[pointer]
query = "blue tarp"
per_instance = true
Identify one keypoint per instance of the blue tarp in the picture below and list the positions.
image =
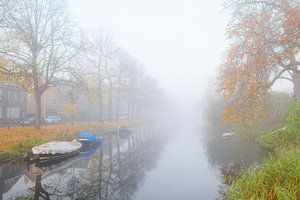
(90, 136)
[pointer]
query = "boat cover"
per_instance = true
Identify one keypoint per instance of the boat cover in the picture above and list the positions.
(57, 147)
(90, 136)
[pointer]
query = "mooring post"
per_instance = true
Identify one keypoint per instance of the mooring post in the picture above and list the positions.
(38, 186)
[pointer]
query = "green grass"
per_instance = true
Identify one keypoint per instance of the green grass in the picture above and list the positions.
(276, 179)
(281, 140)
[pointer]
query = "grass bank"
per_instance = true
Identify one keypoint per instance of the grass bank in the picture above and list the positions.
(15, 141)
(278, 177)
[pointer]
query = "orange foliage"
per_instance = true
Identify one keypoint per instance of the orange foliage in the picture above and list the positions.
(264, 39)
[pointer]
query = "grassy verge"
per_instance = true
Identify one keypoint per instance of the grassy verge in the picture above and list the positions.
(279, 176)
(15, 141)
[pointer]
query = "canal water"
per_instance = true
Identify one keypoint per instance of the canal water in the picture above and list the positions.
(161, 161)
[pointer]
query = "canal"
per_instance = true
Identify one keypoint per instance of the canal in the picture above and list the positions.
(168, 160)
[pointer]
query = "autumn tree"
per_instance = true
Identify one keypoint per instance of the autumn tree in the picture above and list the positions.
(37, 36)
(265, 43)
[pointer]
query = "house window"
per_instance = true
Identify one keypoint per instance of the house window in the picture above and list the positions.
(13, 113)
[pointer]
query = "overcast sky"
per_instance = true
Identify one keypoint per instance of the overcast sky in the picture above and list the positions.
(179, 41)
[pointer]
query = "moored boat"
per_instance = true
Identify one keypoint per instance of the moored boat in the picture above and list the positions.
(55, 151)
(89, 140)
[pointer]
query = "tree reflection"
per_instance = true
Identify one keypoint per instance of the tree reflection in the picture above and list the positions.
(221, 152)
(115, 172)
(230, 156)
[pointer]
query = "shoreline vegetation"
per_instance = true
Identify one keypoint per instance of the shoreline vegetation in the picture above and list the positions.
(278, 177)
(15, 141)
(275, 175)
(263, 50)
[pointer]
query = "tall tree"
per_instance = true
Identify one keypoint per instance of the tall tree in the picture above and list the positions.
(38, 37)
(110, 69)
(265, 43)
(99, 52)
(125, 61)
(136, 74)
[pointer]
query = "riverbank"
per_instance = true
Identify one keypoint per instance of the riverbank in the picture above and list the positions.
(278, 177)
(15, 141)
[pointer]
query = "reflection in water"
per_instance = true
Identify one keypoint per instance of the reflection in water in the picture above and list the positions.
(117, 168)
(230, 155)
(10, 173)
(222, 152)
(115, 171)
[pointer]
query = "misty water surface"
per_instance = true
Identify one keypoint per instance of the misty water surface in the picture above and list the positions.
(163, 161)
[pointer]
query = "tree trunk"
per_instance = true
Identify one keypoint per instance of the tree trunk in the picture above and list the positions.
(128, 110)
(110, 101)
(296, 80)
(100, 178)
(118, 103)
(100, 107)
(100, 100)
(137, 110)
(133, 106)
(38, 108)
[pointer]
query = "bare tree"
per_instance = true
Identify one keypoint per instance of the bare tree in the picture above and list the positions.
(110, 71)
(38, 38)
(125, 61)
(5, 6)
(98, 54)
(136, 75)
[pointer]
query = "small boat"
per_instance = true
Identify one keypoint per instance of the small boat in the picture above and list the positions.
(227, 135)
(89, 140)
(124, 132)
(55, 151)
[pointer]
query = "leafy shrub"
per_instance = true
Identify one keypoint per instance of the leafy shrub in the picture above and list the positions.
(293, 120)
(281, 139)
(288, 137)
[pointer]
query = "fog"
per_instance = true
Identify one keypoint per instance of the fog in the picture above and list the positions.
(143, 100)
(180, 42)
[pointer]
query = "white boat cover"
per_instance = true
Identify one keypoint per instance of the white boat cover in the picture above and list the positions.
(57, 147)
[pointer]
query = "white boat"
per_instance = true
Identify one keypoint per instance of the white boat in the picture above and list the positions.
(54, 151)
